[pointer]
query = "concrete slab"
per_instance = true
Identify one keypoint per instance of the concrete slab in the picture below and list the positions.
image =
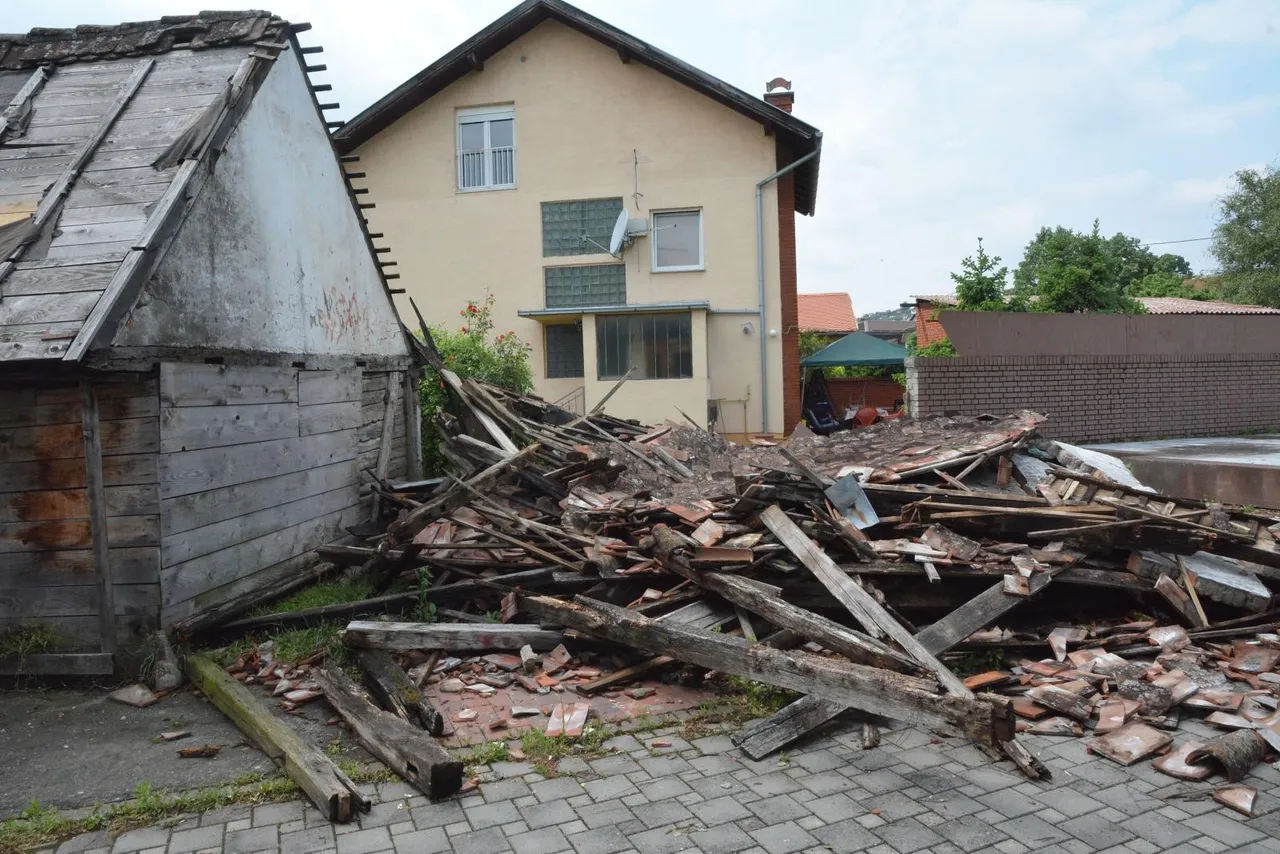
(1237, 470)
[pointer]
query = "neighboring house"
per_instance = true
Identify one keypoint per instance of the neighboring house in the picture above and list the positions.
(888, 330)
(503, 167)
(197, 348)
(827, 314)
(929, 328)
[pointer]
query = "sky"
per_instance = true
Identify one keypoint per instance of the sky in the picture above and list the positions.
(943, 120)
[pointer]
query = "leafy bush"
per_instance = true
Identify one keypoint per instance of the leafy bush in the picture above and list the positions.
(470, 353)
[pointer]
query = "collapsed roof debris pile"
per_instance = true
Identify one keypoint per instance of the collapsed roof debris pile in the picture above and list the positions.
(868, 570)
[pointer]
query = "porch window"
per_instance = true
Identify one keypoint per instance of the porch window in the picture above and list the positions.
(487, 148)
(658, 346)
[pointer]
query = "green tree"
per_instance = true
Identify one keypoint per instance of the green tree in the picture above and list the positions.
(1083, 274)
(1069, 270)
(1175, 264)
(980, 284)
(471, 353)
(1246, 240)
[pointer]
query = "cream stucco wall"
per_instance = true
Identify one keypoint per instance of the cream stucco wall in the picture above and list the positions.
(582, 117)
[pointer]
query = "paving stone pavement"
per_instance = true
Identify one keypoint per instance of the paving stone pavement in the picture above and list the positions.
(914, 794)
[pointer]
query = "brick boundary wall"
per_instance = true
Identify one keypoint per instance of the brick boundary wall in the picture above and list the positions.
(1107, 398)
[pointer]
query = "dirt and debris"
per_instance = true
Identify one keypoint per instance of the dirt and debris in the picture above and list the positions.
(587, 569)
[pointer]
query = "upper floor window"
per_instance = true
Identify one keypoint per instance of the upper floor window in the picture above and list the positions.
(486, 148)
(677, 241)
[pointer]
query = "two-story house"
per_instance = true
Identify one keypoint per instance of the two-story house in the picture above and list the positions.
(505, 166)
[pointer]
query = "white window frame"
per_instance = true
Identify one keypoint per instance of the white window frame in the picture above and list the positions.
(487, 115)
(653, 230)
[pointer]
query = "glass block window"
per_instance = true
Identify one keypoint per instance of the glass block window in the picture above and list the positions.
(658, 346)
(564, 350)
(587, 286)
(565, 224)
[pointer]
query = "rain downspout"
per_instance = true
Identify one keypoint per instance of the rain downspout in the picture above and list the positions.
(764, 358)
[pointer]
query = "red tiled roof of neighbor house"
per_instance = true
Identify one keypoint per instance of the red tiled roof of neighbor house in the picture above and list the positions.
(830, 312)
(1178, 305)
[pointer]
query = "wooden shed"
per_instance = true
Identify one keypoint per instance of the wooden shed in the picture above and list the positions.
(199, 356)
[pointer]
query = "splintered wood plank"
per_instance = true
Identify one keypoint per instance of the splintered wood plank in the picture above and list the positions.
(450, 636)
(761, 737)
(860, 603)
(987, 720)
(977, 613)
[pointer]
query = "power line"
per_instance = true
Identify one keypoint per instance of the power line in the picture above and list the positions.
(1168, 242)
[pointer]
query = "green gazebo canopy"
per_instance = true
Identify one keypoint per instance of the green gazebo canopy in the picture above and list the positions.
(856, 349)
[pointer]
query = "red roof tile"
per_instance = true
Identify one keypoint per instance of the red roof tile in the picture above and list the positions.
(831, 312)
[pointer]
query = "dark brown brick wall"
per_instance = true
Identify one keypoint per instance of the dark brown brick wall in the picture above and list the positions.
(1106, 398)
(791, 403)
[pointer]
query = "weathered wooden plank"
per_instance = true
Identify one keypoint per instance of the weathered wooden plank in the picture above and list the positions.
(69, 473)
(183, 581)
(128, 600)
(125, 159)
(128, 176)
(330, 790)
(396, 692)
(111, 388)
(761, 737)
(60, 441)
(384, 445)
(36, 341)
(46, 505)
(198, 509)
(186, 472)
(89, 109)
(413, 427)
(97, 500)
(96, 234)
(448, 636)
(79, 251)
(222, 385)
(46, 308)
(69, 413)
(82, 215)
(82, 634)
(147, 130)
(59, 280)
(193, 543)
(407, 750)
(328, 417)
(986, 720)
(191, 428)
(89, 196)
(337, 386)
(977, 613)
(122, 531)
(854, 597)
(69, 568)
(58, 664)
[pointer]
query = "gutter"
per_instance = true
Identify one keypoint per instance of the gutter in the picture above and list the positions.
(764, 344)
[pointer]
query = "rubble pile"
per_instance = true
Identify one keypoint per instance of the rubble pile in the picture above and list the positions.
(869, 570)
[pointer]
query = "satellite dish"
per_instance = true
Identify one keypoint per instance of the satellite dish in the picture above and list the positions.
(619, 233)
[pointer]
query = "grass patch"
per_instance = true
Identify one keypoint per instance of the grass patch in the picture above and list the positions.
(27, 639)
(740, 700)
(317, 596)
(40, 825)
(291, 645)
(544, 752)
(485, 754)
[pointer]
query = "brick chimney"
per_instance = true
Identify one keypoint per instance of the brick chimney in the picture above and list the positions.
(783, 99)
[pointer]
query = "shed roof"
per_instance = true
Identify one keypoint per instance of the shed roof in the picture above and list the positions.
(856, 349)
(829, 312)
(102, 146)
(1153, 305)
(799, 137)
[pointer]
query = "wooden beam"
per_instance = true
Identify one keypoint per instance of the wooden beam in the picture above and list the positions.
(413, 424)
(987, 720)
(337, 797)
(761, 737)
(860, 603)
(391, 399)
(448, 636)
(977, 613)
(407, 750)
(96, 489)
(396, 691)
(406, 527)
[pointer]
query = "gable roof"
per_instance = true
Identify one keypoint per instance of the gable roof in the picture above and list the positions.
(829, 312)
(108, 135)
(798, 138)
